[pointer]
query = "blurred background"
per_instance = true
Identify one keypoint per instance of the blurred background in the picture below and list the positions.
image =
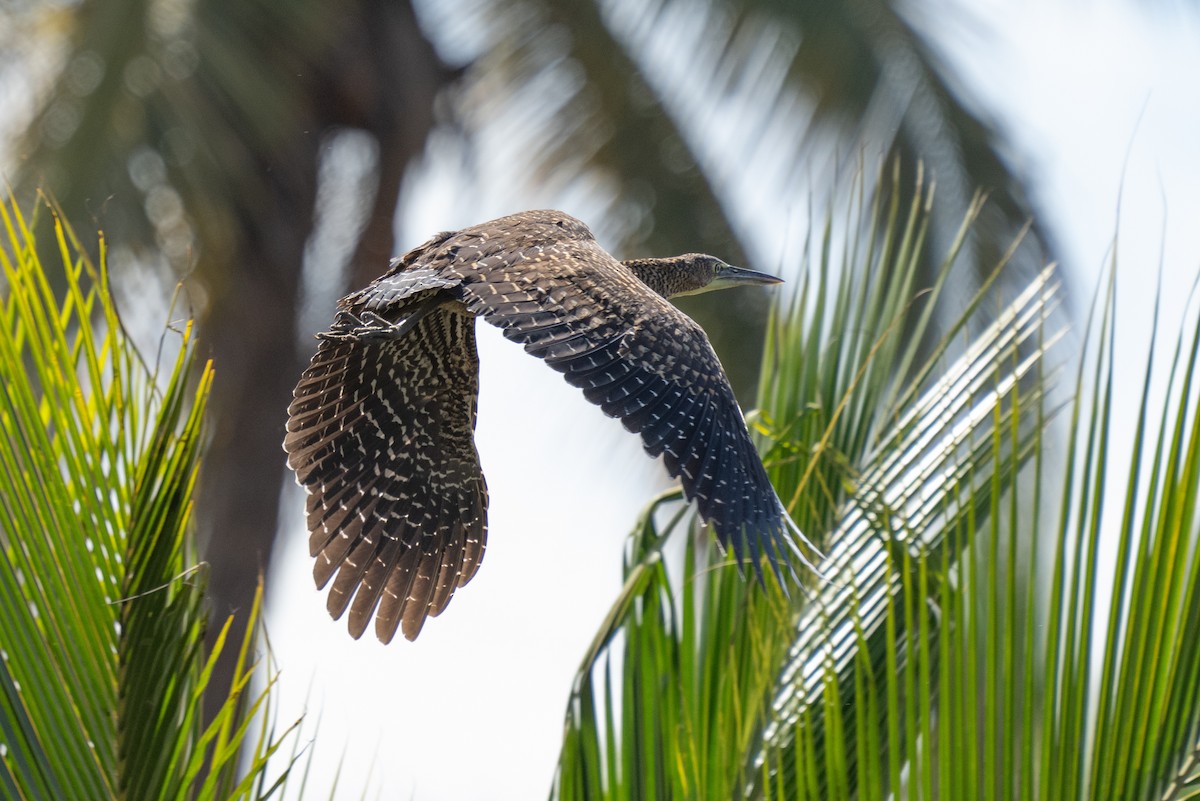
(271, 156)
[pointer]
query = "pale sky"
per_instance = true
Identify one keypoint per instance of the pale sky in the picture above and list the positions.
(1097, 102)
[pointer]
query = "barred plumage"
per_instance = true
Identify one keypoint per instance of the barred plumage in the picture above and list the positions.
(380, 433)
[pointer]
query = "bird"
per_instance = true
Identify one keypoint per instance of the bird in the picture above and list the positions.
(380, 430)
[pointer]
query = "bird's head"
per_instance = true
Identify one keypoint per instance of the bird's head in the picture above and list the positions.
(693, 273)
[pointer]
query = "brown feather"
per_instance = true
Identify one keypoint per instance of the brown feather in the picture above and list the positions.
(381, 429)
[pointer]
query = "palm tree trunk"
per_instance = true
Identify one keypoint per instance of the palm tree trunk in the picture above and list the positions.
(382, 76)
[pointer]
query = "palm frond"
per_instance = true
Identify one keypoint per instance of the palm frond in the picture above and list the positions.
(101, 596)
(156, 115)
(702, 125)
(973, 637)
(884, 459)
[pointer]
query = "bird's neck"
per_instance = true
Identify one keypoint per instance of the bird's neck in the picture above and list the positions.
(668, 277)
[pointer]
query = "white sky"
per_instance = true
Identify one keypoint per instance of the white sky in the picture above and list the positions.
(1097, 102)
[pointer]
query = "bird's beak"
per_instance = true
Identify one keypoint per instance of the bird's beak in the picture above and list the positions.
(738, 276)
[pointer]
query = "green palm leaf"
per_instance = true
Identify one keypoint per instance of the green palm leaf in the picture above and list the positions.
(101, 596)
(967, 641)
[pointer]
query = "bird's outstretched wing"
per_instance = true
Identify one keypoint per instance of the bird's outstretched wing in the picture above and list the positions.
(642, 360)
(380, 434)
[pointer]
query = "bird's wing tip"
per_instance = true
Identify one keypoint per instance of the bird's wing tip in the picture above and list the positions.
(786, 545)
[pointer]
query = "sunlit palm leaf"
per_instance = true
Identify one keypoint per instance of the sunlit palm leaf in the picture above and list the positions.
(865, 443)
(1146, 723)
(973, 646)
(101, 597)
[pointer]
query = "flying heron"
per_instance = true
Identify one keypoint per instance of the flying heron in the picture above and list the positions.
(381, 430)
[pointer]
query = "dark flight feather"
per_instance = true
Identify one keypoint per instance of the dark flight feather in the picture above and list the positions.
(381, 430)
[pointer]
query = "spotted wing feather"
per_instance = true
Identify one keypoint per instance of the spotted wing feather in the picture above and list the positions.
(381, 436)
(641, 360)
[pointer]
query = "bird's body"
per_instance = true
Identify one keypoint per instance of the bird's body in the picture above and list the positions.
(381, 431)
